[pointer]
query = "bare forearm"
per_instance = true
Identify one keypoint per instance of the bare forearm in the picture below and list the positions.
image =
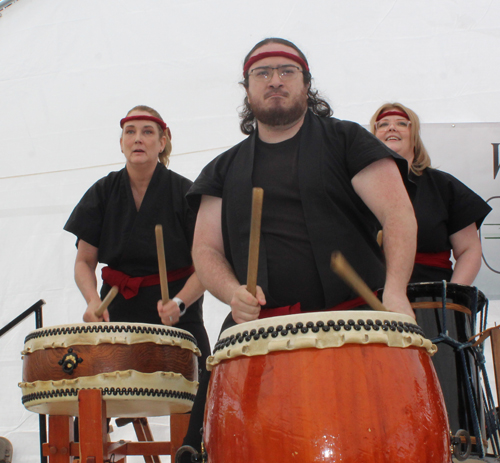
(86, 281)
(380, 186)
(467, 252)
(467, 267)
(214, 270)
(215, 273)
(192, 290)
(400, 241)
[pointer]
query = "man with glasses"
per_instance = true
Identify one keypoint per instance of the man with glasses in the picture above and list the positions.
(325, 181)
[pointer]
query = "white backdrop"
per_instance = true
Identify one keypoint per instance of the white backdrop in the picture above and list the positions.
(70, 70)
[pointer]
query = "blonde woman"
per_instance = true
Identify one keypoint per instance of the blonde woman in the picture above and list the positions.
(115, 225)
(448, 213)
(448, 216)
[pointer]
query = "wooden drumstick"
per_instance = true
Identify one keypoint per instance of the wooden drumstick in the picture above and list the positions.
(253, 251)
(107, 300)
(380, 238)
(342, 268)
(162, 265)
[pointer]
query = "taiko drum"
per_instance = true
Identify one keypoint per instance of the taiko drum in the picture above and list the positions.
(345, 387)
(141, 369)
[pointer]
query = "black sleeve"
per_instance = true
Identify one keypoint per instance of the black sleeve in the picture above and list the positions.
(86, 220)
(465, 206)
(362, 148)
(211, 180)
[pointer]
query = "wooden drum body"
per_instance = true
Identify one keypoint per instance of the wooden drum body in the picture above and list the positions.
(326, 387)
(142, 369)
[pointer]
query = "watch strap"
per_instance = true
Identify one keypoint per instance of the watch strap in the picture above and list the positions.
(182, 306)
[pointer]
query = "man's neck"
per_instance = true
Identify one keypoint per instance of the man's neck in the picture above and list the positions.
(277, 134)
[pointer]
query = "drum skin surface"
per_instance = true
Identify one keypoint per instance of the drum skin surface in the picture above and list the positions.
(356, 403)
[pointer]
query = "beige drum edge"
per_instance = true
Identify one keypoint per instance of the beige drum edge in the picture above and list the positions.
(172, 394)
(321, 339)
(72, 339)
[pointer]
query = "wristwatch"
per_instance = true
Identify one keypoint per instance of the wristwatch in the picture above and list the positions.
(182, 306)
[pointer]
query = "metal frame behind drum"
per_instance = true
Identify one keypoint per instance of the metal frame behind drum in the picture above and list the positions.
(457, 363)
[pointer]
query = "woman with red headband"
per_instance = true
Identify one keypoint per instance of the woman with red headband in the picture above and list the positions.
(448, 213)
(115, 225)
(448, 216)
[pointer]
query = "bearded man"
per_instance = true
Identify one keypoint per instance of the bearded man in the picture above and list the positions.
(328, 185)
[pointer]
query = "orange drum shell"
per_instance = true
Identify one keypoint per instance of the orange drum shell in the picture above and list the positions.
(43, 365)
(358, 403)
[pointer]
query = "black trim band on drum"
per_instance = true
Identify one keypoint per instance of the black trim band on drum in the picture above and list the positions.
(111, 328)
(293, 329)
(73, 392)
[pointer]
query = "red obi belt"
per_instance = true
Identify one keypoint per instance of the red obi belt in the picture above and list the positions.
(434, 259)
(295, 308)
(129, 286)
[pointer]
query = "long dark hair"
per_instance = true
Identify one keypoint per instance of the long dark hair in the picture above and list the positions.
(314, 101)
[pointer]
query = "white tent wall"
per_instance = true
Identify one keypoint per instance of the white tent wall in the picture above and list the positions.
(70, 70)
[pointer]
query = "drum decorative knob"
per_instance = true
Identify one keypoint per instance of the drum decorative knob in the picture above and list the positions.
(70, 361)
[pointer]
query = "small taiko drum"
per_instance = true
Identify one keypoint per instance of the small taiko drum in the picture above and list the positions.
(141, 369)
(348, 387)
(457, 369)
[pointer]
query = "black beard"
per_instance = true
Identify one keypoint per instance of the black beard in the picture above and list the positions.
(278, 116)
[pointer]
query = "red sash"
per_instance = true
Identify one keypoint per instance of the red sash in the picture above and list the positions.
(129, 286)
(434, 259)
(295, 308)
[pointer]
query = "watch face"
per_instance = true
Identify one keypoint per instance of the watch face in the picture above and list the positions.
(179, 302)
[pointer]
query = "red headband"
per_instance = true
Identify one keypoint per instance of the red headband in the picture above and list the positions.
(268, 54)
(392, 113)
(147, 118)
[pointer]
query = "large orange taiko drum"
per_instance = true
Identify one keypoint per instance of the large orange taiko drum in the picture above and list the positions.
(350, 387)
(141, 369)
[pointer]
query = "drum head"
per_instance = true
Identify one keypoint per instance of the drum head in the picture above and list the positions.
(468, 296)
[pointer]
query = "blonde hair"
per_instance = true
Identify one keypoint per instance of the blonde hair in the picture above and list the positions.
(164, 156)
(421, 159)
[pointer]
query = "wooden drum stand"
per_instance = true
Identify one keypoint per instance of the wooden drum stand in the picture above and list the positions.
(94, 446)
(101, 370)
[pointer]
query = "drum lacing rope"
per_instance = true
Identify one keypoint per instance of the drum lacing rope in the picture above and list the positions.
(461, 348)
(472, 404)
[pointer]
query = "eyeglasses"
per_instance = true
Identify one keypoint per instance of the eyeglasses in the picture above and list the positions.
(384, 125)
(285, 72)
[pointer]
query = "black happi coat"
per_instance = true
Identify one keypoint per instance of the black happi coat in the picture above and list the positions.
(331, 153)
(443, 206)
(106, 217)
